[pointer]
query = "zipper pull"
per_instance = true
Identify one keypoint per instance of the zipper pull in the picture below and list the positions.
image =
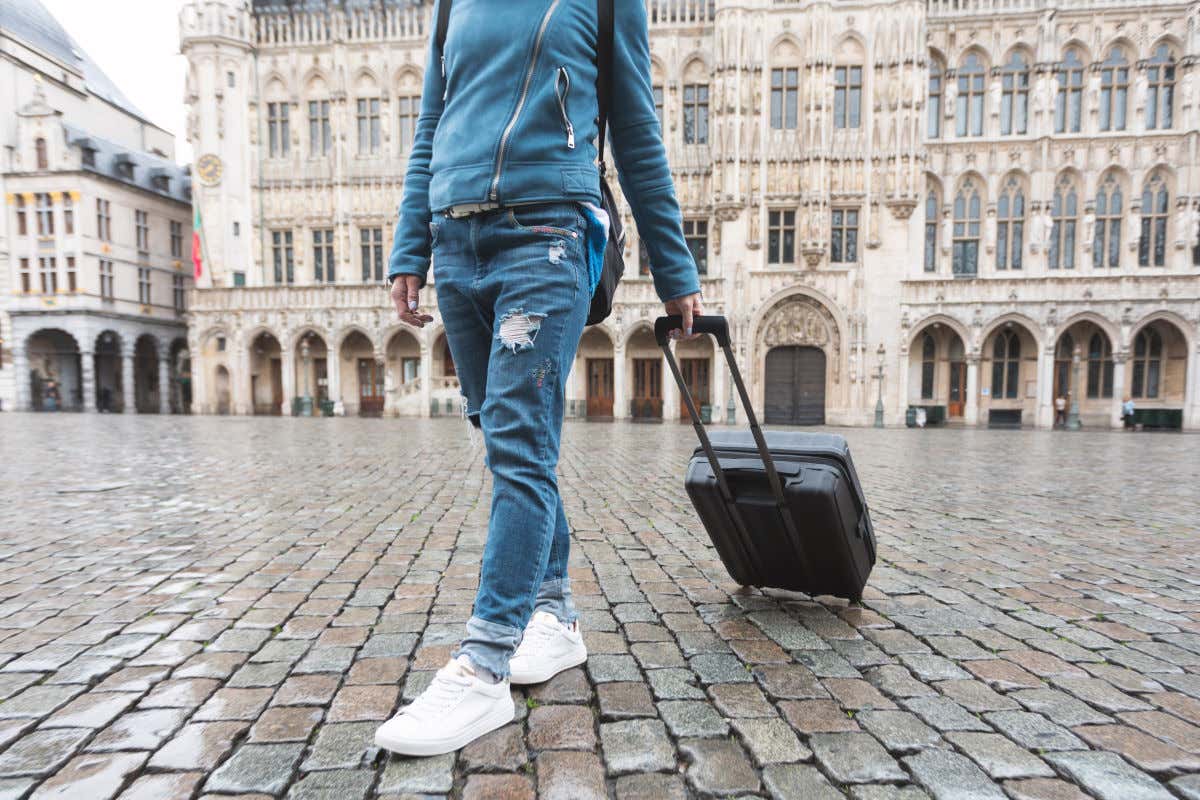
(443, 67)
(570, 136)
(445, 86)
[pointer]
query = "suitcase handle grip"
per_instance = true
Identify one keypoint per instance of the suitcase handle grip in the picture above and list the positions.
(708, 323)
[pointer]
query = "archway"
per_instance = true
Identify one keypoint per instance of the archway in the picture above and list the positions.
(311, 356)
(695, 359)
(403, 378)
(266, 375)
(222, 399)
(937, 371)
(181, 378)
(595, 363)
(800, 345)
(107, 362)
(54, 371)
(1008, 376)
(644, 365)
(146, 391)
(362, 376)
(1157, 374)
(1091, 385)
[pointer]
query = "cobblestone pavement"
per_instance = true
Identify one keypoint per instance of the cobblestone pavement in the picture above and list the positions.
(194, 607)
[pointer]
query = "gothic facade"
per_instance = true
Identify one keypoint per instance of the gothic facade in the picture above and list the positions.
(973, 206)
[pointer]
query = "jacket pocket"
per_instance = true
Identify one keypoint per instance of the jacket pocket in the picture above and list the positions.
(562, 89)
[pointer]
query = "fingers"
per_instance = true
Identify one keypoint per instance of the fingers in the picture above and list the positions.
(685, 311)
(406, 290)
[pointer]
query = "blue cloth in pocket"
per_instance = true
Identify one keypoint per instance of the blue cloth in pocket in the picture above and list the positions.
(596, 242)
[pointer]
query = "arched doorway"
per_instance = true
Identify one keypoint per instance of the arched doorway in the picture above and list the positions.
(1157, 377)
(107, 360)
(1008, 376)
(266, 375)
(223, 400)
(403, 380)
(795, 386)
(312, 373)
(938, 370)
(695, 359)
(181, 378)
(1092, 384)
(645, 376)
(599, 391)
(145, 375)
(54, 371)
(362, 376)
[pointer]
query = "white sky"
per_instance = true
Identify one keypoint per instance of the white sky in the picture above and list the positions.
(136, 43)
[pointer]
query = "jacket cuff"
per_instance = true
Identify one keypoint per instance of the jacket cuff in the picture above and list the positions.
(420, 273)
(676, 286)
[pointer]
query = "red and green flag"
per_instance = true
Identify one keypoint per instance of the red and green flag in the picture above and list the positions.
(197, 245)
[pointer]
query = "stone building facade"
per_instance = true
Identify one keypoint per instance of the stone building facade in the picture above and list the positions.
(94, 227)
(975, 206)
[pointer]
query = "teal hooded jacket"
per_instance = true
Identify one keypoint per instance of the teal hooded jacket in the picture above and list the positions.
(509, 114)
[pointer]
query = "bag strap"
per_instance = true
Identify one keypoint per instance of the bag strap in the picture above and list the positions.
(443, 22)
(604, 68)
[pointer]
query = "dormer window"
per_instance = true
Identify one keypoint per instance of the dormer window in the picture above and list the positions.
(125, 168)
(89, 156)
(162, 183)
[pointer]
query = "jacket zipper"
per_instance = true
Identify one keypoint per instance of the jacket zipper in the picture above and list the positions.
(445, 86)
(562, 105)
(537, 46)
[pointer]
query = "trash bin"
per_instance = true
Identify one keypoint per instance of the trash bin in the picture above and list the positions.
(327, 408)
(706, 414)
(910, 417)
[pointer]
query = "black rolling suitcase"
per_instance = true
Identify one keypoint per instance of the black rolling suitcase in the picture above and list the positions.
(784, 509)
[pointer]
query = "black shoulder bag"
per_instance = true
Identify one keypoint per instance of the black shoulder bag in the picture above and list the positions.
(614, 251)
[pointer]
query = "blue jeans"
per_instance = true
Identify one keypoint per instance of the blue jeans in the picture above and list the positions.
(513, 292)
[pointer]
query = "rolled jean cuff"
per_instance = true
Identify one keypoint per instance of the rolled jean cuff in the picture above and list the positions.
(554, 597)
(489, 645)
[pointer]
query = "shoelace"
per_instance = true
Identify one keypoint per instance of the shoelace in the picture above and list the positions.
(447, 686)
(539, 632)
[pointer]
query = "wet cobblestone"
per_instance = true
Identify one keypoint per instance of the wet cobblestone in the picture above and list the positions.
(202, 607)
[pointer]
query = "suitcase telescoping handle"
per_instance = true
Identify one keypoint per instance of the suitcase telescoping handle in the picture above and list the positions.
(718, 327)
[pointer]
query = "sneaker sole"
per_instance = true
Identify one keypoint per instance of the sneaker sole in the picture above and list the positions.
(497, 718)
(573, 659)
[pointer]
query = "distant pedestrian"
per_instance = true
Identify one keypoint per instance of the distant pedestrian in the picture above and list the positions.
(1127, 409)
(1060, 411)
(51, 397)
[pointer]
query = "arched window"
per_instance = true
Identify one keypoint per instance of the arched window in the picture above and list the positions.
(931, 229)
(928, 363)
(1014, 100)
(967, 206)
(1064, 210)
(695, 113)
(1160, 96)
(934, 119)
(1106, 249)
(969, 113)
(1068, 103)
(1006, 365)
(1114, 90)
(1100, 367)
(43, 161)
(1152, 246)
(1010, 225)
(1147, 364)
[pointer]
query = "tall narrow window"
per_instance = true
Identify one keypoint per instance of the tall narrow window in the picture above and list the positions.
(39, 146)
(22, 223)
(928, 366)
(1064, 211)
(278, 129)
(785, 93)
(1106, 248)
(1006, 365)
(103, 221)
(658, 106)
(1014, 97)
(1100, 367)
(1010, 226)
(323, 265)
(695, 113)
(106, 280)
(968, 115)
(142, 223)
(320, 134)
(695, 232)
(844, 246)
(1068, 103)
(68, 213)
(847, 97)
(72, 281)
(178, 295)
(144, 285)
(933, 120)
(371, 240)
(931, 230)
(1147, 364)
(1152, 246)
(967, 205)
(176, 239)
(26, 277)
(1114, 90)
(1160, 95)
(410, 109)
(282, 257)
(781, 237)
(45, 215)
(49, 273)
(368, 126)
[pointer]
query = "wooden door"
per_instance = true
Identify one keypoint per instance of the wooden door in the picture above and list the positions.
(600, 388)
(276, 386)
(695, 373)
(958, 389)
(370, 388)
(647, 389)
(795, 386)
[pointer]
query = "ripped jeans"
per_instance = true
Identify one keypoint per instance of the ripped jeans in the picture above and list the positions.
(513, 292)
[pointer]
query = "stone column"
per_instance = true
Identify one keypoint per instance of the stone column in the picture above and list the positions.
(334, 362)
(199, 367)
(1045, 388)
(164, 379)
(620, 400)
(903, 366)
(971, 411)
(426, 377)
(670, 393)
(287, 362)
(21, 377)
(87, 377)
(1191, 391)
(1118, 387)
(127, 396)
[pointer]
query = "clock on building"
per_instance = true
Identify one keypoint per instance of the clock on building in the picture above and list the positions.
(209, 168)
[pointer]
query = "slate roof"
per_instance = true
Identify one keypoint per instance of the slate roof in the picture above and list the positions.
(108, 156)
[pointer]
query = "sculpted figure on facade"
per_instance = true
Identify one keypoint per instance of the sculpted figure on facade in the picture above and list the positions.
(1089, 227)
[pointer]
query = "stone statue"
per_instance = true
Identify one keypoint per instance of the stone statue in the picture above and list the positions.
(1141, 88)
(1043, 95)
(1089, 228)
(1133, 230)
(1037, 232)
(989, 231)
(1047, 225)
(1093, 91)
(947, 232)
(1187, 89)
(994, 92)
(1189, 225)
(951, 95)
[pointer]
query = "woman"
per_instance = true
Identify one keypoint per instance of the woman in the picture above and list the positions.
(502, 189)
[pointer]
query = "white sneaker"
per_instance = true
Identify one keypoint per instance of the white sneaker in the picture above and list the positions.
(547, 648)
(456, 709)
